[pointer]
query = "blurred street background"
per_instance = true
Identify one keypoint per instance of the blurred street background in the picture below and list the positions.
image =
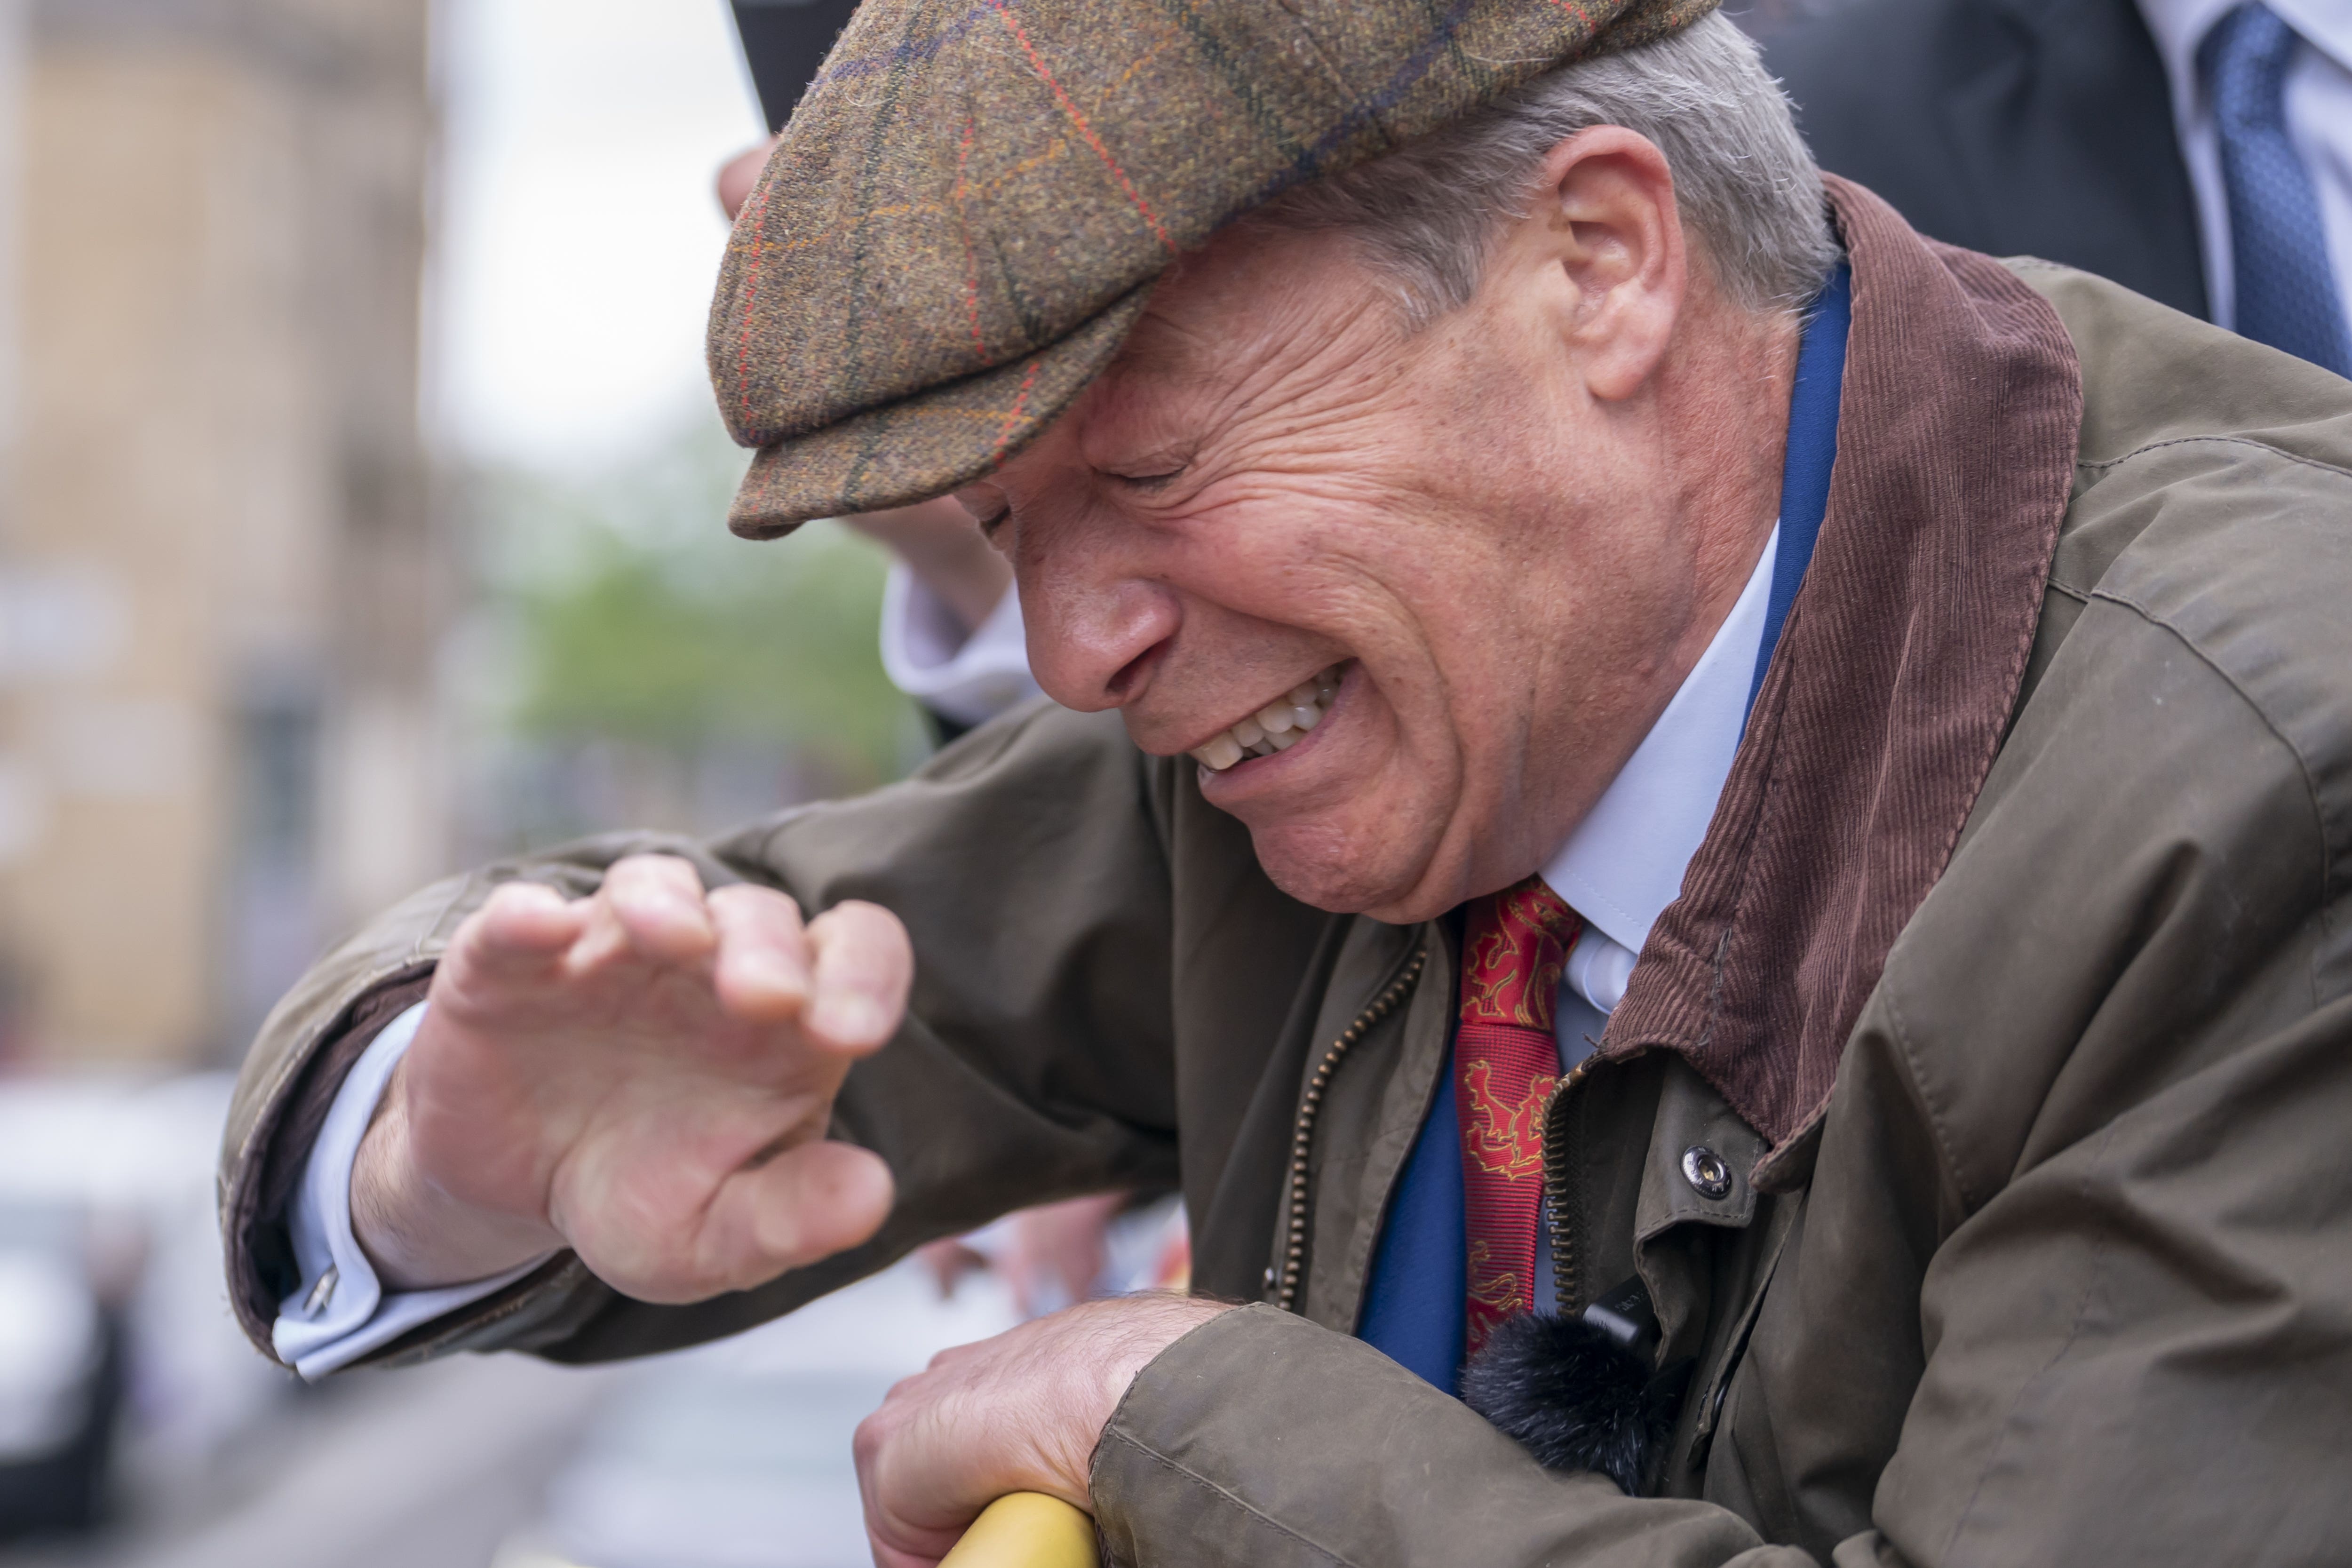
(361, 509)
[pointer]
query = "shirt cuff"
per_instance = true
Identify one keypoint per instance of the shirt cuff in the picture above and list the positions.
(968, 678)
(341, 1312)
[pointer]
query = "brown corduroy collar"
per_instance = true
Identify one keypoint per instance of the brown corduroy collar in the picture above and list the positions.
(1892, 683)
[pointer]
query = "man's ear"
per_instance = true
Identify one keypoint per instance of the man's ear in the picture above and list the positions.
(1602, 231)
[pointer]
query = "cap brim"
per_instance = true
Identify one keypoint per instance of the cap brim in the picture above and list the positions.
(929, 444)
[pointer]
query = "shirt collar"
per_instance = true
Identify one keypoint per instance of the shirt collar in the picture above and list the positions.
(1624, 862)
(2179, 27)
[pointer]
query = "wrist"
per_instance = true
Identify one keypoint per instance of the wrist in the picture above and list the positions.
(416, 1235)
(1134, 1332)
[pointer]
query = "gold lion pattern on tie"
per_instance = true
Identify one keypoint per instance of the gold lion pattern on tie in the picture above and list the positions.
(1505, 1064)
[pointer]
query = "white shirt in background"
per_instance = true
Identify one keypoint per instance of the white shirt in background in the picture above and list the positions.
(2318, 122)
(926, 652)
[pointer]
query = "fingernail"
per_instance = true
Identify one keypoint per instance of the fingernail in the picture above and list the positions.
(846, 1016)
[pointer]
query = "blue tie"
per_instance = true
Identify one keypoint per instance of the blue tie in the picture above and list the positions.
(2286, 292)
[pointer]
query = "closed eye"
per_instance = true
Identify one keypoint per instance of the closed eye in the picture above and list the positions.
(1148, 483)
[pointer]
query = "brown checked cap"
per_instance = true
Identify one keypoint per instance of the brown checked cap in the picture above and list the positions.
(968, 209)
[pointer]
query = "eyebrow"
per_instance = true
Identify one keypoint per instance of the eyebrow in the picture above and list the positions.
(1169, 353)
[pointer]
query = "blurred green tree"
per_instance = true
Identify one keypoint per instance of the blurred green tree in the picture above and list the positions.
(631, 620)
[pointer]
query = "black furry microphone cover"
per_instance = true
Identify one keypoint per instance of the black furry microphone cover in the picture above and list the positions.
(1572, 1395)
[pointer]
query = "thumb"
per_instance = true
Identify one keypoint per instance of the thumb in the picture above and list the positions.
(799, 1207)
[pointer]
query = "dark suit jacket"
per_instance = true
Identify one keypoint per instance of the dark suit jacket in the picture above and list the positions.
(784, 41)
(2038, 127)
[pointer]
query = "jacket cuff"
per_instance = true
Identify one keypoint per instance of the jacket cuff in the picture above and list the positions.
(540, 1307)
(1262, 1439)
(261, 1265)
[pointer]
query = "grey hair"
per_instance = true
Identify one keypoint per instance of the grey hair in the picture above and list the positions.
(1744, 183)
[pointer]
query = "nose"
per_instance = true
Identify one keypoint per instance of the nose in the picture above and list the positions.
(1096, 624)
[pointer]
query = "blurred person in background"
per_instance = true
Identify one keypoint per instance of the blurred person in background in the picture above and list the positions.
(1056, 1254)
(2197, 151)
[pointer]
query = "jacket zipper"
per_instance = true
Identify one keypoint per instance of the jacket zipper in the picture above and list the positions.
(1558, 1192)
(1302, 1137)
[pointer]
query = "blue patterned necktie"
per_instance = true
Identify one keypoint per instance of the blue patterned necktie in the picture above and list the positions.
(2286, 291)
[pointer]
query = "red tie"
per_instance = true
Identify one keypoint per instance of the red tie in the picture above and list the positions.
(1505, 1064)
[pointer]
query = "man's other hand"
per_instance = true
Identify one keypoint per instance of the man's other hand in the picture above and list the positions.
(644, 1075)
(1021, 1411)
(740, 174)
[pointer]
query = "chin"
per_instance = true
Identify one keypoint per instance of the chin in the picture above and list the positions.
(1329, 870)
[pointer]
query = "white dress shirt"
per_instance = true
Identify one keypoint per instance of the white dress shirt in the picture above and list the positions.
(2318, 122)
(1624, 863)
(1618, 869)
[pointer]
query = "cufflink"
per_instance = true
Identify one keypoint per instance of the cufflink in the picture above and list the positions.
(320, 1294)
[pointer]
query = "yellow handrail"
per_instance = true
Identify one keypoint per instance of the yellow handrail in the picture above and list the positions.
(1025, 1529)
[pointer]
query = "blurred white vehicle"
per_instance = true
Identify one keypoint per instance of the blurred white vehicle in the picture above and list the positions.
(117, 1346)
(60, 1372)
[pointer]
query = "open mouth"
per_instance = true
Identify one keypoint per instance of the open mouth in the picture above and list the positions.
(1276, 727)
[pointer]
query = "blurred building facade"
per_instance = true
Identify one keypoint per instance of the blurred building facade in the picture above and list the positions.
(218, 575)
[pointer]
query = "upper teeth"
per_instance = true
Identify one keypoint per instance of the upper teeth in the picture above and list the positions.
(1276, 727)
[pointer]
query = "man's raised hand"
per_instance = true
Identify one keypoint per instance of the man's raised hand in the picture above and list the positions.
(644, 1076)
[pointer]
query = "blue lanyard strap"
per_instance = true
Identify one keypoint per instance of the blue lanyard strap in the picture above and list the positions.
(1811, 453)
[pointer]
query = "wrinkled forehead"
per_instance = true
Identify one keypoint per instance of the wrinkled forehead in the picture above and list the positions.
(1149, 396)
(1166, 357)
(1185, 347)
(1223, 318)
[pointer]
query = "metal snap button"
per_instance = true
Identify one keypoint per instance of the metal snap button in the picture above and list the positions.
(1703, 1169)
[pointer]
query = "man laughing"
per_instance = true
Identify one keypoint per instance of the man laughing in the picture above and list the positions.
(1712, 839)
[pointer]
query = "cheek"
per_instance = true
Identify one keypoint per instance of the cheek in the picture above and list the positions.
(1443, 654)
(1340, 555)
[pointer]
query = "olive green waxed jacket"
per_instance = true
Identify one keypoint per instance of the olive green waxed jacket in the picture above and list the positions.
(2013, 984)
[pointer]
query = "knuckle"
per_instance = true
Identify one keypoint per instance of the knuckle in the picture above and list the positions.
(888, 923)
(752, 898)
(654, 869)
(873, 1435)
(865, 918)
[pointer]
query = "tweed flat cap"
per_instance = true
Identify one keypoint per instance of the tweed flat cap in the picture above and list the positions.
(968, 210)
